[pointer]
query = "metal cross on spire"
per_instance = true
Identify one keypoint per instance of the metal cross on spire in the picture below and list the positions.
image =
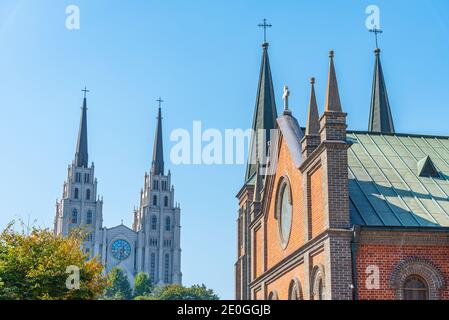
(85, 92)
(160, 101)
(265, 25)
(376, 32)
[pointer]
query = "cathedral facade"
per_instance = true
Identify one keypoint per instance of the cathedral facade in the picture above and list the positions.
(330, 213)
(152, 245)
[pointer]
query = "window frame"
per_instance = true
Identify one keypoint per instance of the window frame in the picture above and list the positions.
(167, 223)
(74, 216)
(283, 184)
(89, 217)
(407, 291)
(153, 222)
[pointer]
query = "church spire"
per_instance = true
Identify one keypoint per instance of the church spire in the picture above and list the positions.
(81, 155)
(380, 119)
(313, 123)
(332, 95)
(157, 166)
(265, 115)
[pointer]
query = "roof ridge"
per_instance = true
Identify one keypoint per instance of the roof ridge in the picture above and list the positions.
(418, 135)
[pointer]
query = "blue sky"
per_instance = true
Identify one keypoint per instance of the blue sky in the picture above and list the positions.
(203, 58)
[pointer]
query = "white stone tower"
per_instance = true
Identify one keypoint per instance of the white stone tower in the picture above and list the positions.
(157, 220)
(153, 245)
(79, 206)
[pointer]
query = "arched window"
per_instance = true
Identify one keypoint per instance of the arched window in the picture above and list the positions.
(153, 223)
(88, 194)
(167, 268)
(89, 217)
(167, 224)
(165, 201)
(318, 283)
(76, 193)
(75, 216)
(154, 200)
(416, 288)
(416, 278)
(295, 290)
(283, 213)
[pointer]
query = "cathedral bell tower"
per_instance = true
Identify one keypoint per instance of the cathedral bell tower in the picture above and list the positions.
(79, 206)
(157, 220)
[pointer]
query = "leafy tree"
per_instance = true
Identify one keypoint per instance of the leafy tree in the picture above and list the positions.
(34, 266)
(119, 287)
(143, 285)
(177, 292)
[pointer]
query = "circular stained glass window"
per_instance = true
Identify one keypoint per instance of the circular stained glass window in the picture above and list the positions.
(285, 213)
(121, 249)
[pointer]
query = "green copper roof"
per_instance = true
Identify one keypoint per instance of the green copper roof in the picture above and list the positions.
(385, 185)
(426, 168)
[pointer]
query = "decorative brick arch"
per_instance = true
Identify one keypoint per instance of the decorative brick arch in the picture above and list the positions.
(420, 267)
(295, 288)
(317, 276)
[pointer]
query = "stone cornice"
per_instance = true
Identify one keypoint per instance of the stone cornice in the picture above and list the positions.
(297, 256)
(404, 236)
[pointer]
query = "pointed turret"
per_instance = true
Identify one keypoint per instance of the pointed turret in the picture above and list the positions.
(157, 165)
(81, 155)
(265, 115)
(380, 119)
(311, 138)
(332, 95)
(313, 122)
(333, 121)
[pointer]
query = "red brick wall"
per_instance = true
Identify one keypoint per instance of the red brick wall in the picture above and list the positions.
(387, 257)
(257, 255)
(282, 284)
(275, 253)
(316, 212)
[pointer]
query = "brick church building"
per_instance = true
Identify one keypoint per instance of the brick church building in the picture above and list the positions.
(329, 213)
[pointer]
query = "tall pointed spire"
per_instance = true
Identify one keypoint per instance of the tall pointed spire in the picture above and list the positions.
(265, 115)
(81, 155)
(157, 165)
(332, 95)
(313, 122)
(380, 119)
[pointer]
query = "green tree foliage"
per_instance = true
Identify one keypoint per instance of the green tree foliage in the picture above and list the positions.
(177, 292)
(34, 266)
(143, 285)
(118, 285)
